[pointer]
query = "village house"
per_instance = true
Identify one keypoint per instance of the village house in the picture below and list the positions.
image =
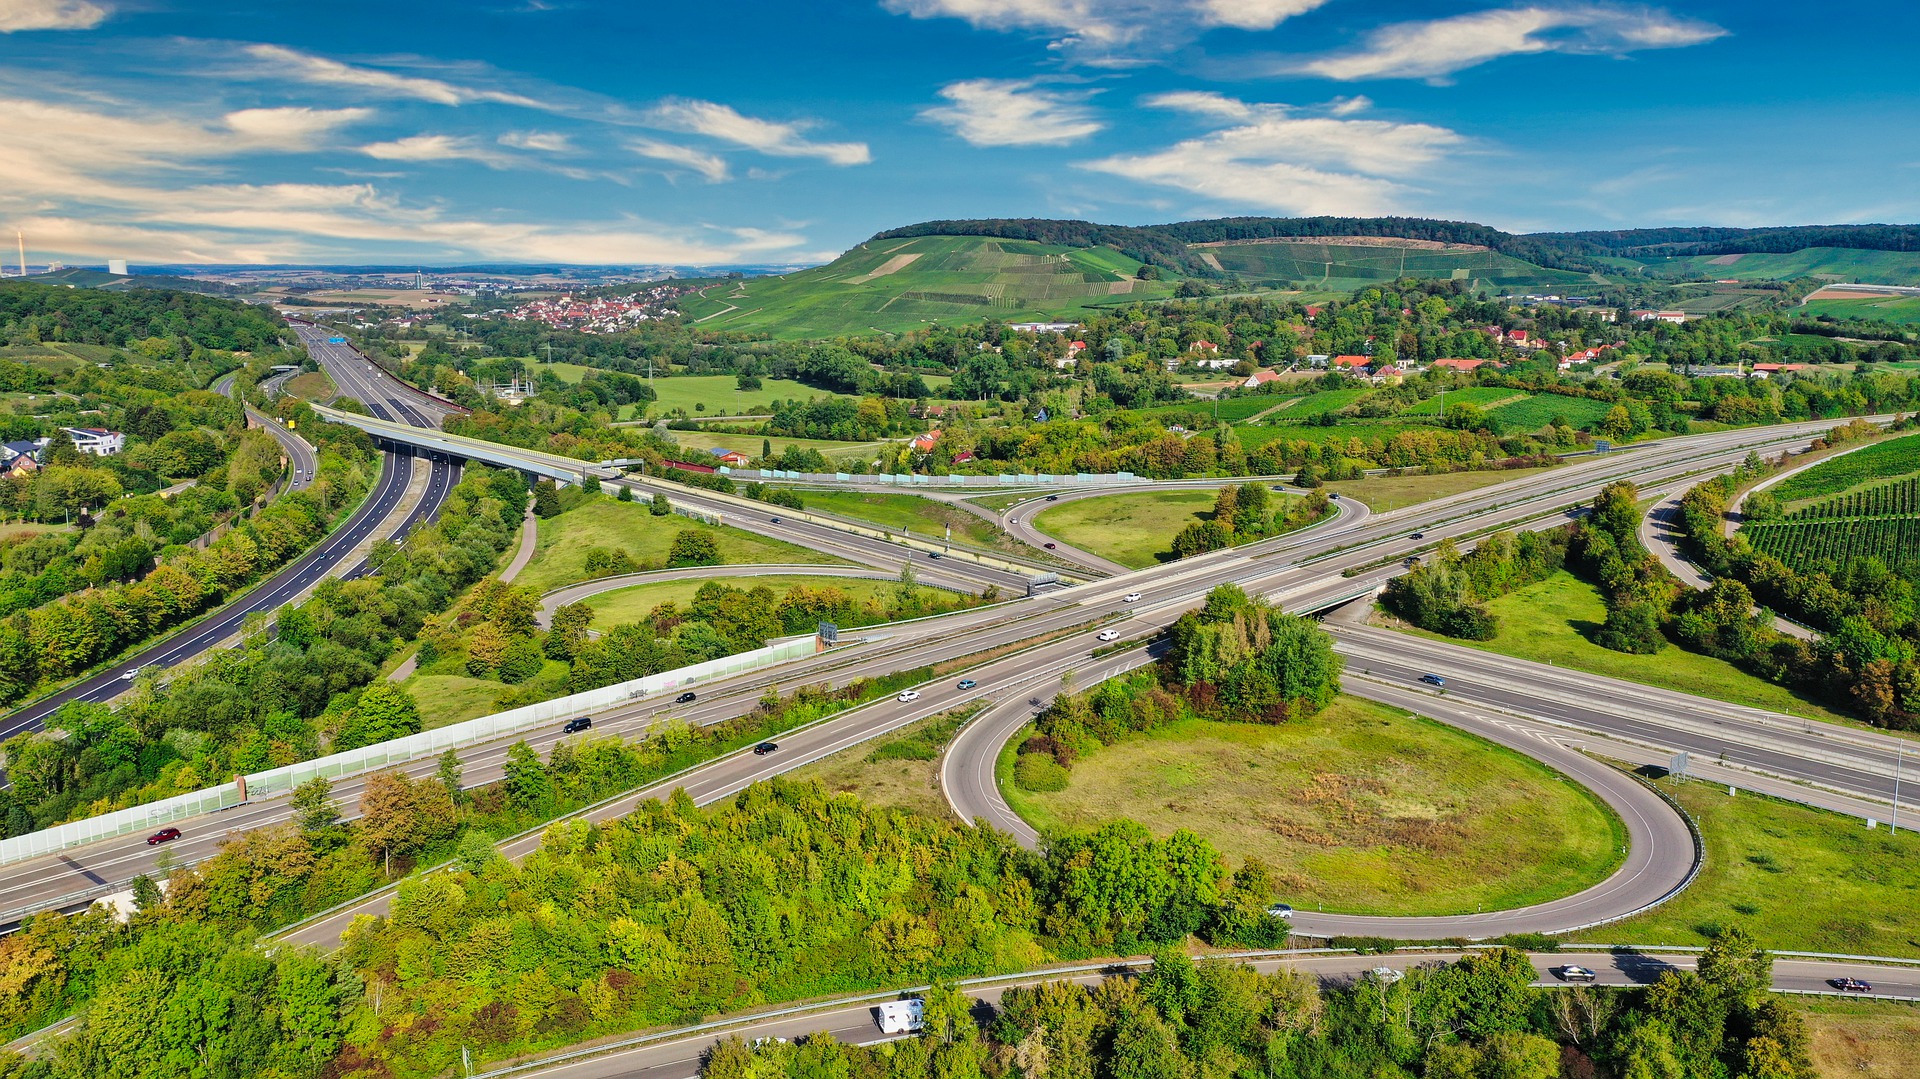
(1260, 378)
(730, 458)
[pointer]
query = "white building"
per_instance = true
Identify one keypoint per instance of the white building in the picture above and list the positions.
(96, 440)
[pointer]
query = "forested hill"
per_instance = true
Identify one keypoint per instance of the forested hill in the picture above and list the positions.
(1168, 245)
(32, 312)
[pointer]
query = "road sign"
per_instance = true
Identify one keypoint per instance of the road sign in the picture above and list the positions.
(829, 633)
(1678, 765)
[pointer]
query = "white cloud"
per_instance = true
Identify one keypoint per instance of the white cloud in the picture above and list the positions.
(439, 148)
(1010, 112)
(723, 122)
(711, 166)
(1439, 47)
(17, 15)
(1277, 158)
(291, 128)
(281, 63)
(549, 142)
(1107, 26)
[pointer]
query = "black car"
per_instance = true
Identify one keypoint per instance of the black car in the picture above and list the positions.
(1850, 985)
(1053, 498)
(773, 520)
(578, 724)
(1419, 535)
(686, 698)
(164, 835)
(765, 748)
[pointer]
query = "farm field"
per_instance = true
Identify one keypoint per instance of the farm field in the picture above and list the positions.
(894, 285)
(560, 553)
(1798, 878)
(1549, 622)
(1843, 263)
(1482, 397)
(1809, 544)
(1354, 264)
(1534, 412)
(717, 395)
(1885, 460)
(1360, 809)
(1320, 403)
(1902, 309)
(1898, 498)
(927, 517)
(695, 444)
(626, 605)
(1260, 434)
(1231, 409)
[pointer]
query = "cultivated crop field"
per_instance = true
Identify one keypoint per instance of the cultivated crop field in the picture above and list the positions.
(1535, 412)
(1884, 308)
(1897, 499)
(1477, 396)
(1869, 267)
(1810, 544)
(1352, 265)
(1899, 457)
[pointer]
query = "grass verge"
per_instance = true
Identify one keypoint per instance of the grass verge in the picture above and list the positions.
(1862, 1039)
(1386, 493)
(901, 772)
(925, 517)
(560, 554)
(632, 604)
(1361, 809)
(1801, 879)
(1549, 622)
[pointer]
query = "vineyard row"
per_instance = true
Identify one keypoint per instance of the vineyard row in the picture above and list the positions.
(1887, 500)
(1806, 545)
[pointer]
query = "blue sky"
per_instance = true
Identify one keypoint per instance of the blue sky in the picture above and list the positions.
(752, 132)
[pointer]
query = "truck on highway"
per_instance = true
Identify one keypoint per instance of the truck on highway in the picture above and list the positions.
(901, 1016)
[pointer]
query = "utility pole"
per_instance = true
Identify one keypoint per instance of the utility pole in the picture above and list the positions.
(1899, 759)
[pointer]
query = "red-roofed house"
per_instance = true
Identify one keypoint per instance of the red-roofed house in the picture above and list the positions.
(925, 443)
(1260, 378)
(1313, 312)
(1764, 370)
(1459, 365)
(1203, 346)
(1351, 363)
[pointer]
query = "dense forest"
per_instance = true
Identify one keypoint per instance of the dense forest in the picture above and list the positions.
(33, 313)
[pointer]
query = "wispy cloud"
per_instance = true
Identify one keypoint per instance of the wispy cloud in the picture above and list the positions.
(18, 15)
(773, 137)
(85, 183)
(1437, 48)
(1097, 29)
(1277, 157)
(1012, 112)
(546, 142)
(424, 148)
(711, 166)
(292, 65)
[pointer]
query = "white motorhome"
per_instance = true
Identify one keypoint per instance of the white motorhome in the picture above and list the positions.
(901, 1016)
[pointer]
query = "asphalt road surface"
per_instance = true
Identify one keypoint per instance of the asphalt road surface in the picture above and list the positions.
(676, 1055)
(1267, 567)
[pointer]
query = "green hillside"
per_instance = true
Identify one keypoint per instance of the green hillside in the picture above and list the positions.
(1884, 308)
(1840, 263)
(1343, 266)
(906, 284)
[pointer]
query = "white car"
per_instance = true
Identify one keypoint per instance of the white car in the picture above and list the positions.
(1109, 634)
(1281, 910)
(131, 674)
(1385, 975)
(910, 695)
(1133, 597)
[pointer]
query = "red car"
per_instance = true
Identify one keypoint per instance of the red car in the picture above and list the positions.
(164, 835)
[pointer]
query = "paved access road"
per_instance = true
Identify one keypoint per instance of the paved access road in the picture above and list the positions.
(676, 1055)
(300, 456)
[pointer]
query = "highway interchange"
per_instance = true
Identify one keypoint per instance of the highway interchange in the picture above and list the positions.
(1549, 713)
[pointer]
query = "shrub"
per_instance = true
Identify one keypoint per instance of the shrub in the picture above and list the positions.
(1039, 772)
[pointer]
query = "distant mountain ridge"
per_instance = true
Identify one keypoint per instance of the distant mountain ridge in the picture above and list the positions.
(1168, 245)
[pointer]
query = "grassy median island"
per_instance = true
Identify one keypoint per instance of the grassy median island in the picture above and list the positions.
(1549, 622)
(1361, 809)
(560, 554)
(633, 603)
(900, 771)
(927, 518)
(1798, 878)
(1384, 493)
(1135, 530)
